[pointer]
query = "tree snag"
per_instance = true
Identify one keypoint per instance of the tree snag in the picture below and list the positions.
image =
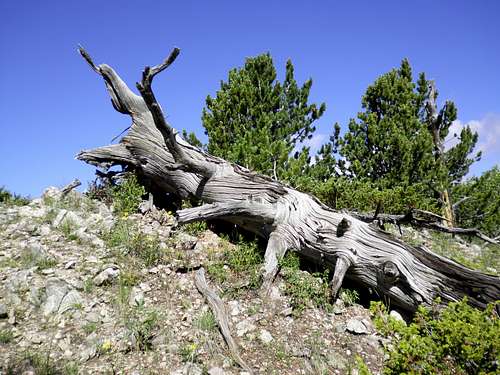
(404, 275)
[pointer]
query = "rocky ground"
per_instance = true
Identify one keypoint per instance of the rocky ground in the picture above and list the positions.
(84, 291)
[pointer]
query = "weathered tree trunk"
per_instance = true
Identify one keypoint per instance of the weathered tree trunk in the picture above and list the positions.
(404, 275)
(435, 128)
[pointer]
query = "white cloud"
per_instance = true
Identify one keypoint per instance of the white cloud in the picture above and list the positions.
(488, 129)
(316, 142)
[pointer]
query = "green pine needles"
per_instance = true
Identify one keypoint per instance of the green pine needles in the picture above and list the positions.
(257, 121)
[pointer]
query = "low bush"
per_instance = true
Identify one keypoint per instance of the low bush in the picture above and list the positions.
(457, 340)
(127, 195)
(304, 288)
(12, 199)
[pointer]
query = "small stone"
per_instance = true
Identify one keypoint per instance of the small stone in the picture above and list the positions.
(287, 312)
(55, 290)
(70, 264)
(106, 276)
(186, 241)
(339, 328)
(35, 338)
(234, 308)
(3, 311)
(136, 297)
(12, 317)
(244, 327)
(356, 326)
(397, 316)
(337, 310)
(216, 371)
(265, 336)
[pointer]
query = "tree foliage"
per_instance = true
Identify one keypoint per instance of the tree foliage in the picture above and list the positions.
(257, 121)
(481, 207)
(398, 140)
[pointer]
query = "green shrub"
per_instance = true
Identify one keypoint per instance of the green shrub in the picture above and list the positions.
(189, 352)
(195, 227)
(305, 289)
(11, 199)
(458, 340)
(141, 324)
(364, 196)
(206, 322)
(126, 236)
(349, 296)
(6, 336)
(241, 262)
(127, 195)
(246, 255)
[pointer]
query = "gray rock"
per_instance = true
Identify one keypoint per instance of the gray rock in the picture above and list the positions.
(216, 371)
(185, 241)
(106, 276)
(188, 369)
(339, 328)
(336, 361)
(286, 312)
(136, 297)
(88, 352)
(356, 326)
(71, 300)
(244, 327)
(234, 308)
(19, 281)
(36, 338)
(51, 193)
(265, 336)
(59, 218)
(55, 291)
(394, 314)
(3, 311)
(36, 296)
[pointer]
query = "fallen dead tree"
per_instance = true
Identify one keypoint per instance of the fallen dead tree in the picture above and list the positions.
(290, 220)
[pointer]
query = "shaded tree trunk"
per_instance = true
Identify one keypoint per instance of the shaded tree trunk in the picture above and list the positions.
(406, 276)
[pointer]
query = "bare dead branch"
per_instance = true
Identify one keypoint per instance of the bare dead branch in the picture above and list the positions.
(220, 314)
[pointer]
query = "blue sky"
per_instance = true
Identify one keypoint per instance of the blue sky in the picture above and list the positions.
(53, 105)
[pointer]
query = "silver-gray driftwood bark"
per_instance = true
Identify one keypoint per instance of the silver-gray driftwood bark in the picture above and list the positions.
(404, 275)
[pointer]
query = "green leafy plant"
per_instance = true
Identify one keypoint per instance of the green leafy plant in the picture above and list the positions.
(189, 352)
(305, 289)
(206, 322)
(6, 336)
(127, 195)
(349, 296)
(457, 340)
(126, 236)
(195, 227)
(141, 324)
(89, 328)
(68, 228)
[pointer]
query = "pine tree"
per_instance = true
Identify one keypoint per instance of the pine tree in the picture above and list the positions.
(398, 138)
(257, 122)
